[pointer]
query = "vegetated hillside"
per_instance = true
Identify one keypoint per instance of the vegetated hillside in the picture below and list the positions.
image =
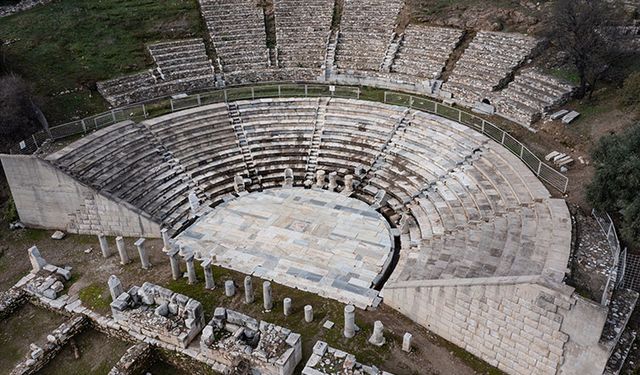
(491, 15)
(64, 47)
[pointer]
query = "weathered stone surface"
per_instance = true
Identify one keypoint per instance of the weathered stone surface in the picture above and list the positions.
(321, 234)
(267, 348)
(406, 342)
(326, 360)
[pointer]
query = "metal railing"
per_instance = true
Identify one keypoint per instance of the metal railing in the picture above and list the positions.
(616, 276)
(158, 107)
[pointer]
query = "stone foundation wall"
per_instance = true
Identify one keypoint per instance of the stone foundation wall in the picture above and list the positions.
(521, 328)
(39, 357)
(11, 300)
(46, 197)
(135, 361)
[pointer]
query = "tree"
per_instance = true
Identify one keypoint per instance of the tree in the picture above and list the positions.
(617, 177)
(18, 114)
(630, 95)
(583, 30)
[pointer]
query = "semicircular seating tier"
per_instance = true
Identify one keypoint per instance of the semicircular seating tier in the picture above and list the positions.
(364, 43)
(476, 207)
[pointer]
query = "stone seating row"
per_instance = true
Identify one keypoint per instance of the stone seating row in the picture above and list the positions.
(424, 50)
(365, 33)
(302, 28)
(237, 29)
(204, 143)
(530, 95)
(123, 161)
(180, 66)
(487, 63)
(279, 136)
(522, 242)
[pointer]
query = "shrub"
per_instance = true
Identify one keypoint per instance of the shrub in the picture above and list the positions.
(630, 95)
(615, 184)
(10, 212)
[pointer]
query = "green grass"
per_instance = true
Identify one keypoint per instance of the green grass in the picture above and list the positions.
(71, 44)
(96, 296)
(568, 74)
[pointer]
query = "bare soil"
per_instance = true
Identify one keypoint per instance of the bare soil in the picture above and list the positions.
(98, 354)
(18, 331)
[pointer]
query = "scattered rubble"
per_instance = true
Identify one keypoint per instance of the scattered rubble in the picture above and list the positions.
(327, 360)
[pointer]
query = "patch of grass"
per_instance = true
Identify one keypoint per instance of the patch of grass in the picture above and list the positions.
(35, 235)
(64, 47)
(565, 73)
(96, 296)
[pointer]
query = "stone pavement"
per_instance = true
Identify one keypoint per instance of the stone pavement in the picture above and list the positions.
(314, 240)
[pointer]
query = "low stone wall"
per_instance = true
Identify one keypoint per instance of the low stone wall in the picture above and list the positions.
(135, 361)
(521, 327)
(38, 357)
(11, 300)
(46, 197)
(157, 312)
(238, 342)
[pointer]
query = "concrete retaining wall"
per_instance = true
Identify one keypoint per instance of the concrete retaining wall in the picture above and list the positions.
(48, 198)
(521, 328)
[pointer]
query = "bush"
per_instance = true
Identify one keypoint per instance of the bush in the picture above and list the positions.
(630, 95)
(18, 118)
(10, 212)
(615, 184)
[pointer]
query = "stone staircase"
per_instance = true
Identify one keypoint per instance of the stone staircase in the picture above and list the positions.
(392, 51)
(467, 161)
(314, 150)
(330, 56)
(178, 168)
(617, 336)
(380, 160)
(243, 144)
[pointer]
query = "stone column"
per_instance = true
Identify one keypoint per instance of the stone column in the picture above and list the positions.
(287, 306)
(122, 250)
(238, 184)
(115, 287)
(104, 245)
(37, 261)
(191, 268)
(166, 240)
(348, 183)
(333, 184)
(144, 257)
(406, 342)
(194, 202)
(377, 337)
(209, 283)
(175, 264)
(266, 296)
(229, 288)
(288, 178)
(320, 179)
(249, 296)
(308, 313)
(349, 321)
